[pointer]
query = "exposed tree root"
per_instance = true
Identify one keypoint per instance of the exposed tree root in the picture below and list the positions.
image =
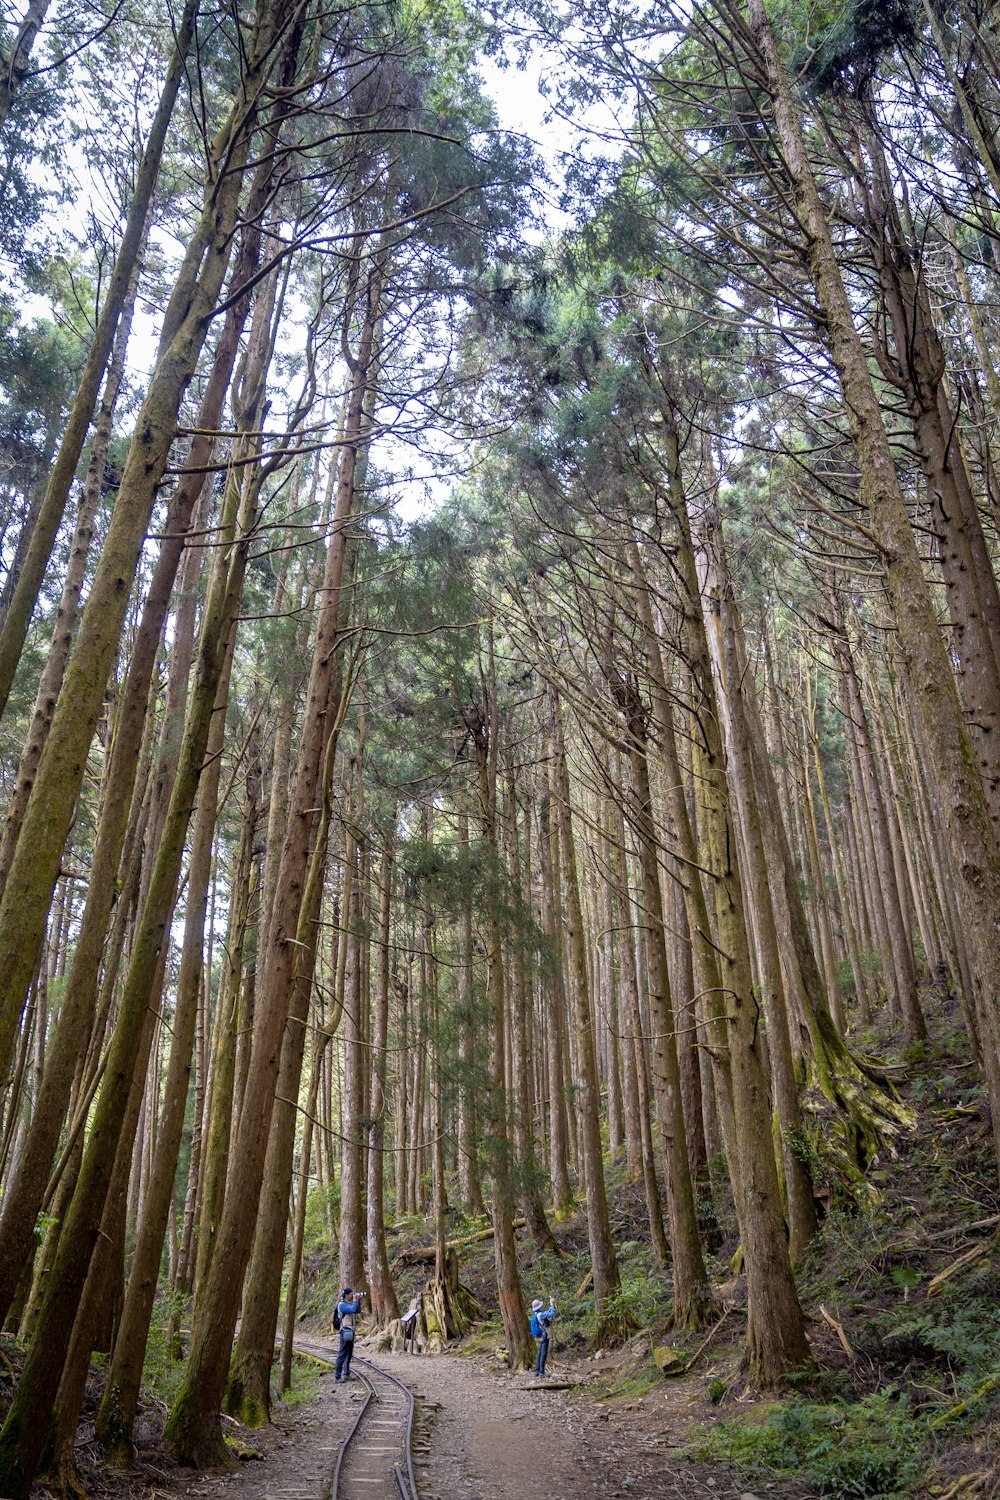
(195, 1440)
(66, 1481)
(615, 1325)
(696, 1312)
(855, 1110)
(445, 1310)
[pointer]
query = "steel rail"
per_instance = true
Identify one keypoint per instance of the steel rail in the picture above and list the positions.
(408, 1438)
(346, 1441)
(407, 1482)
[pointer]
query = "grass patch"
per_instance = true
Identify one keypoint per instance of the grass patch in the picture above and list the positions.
(305, 1384)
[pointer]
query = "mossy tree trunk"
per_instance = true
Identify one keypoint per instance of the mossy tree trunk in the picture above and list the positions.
(22, 1436)
(24, 1194)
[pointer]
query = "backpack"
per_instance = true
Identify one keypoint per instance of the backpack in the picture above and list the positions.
(336, 1318)
(536, 1326)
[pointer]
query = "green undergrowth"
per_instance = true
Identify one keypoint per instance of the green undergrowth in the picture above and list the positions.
(163, 1372)
(917, 1399)
(847, 1449)
(305, 1384)
(319, 1290)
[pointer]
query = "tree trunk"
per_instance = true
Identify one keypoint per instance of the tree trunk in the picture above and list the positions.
(612, 1323)
(49, 813)
(384, 1304)
(548, 839)
(957, 780)
(101, 1282)
(192, 1430)
(23, 1430)
(117, 1411)
(69, 602)
(248, 1391)
(917, 369)
(15, 65)
(63, 471)
(776, 1340)
(485, 732)
(524, 1131)
(901, 980)
(24, 1195)
(356, 1000)
(469, 1183)
(723, 640)
(692, 1296)
(636, 1035)
(219, 1113)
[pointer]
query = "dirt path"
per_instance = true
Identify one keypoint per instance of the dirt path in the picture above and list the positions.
(495, 1436)
(484, 1434)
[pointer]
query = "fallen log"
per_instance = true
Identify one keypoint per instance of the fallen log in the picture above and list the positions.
(977, 1253)
(428, 1252)
(959, 1228)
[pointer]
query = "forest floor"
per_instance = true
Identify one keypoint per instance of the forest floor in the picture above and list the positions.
(497, 1436)
(480, 1433)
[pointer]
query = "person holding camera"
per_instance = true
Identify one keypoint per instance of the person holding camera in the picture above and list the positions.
(542, 1318)
(345, 1318)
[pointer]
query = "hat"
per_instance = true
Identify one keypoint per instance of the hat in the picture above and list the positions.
(347, 1292)
(537, 1305)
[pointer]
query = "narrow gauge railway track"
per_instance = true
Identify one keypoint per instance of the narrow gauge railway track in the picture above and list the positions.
(375, 1461)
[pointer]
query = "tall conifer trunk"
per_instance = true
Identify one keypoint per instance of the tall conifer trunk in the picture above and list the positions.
(193, 1427)
(604, 1261)
(485, 733)
(958, 782)
(384, 1303)
(555, 991)
(22, 1435)
(60, 478)
(692, 1296)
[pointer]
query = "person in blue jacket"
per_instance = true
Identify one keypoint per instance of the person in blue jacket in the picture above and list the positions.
(541, 1326)
(347, 1312)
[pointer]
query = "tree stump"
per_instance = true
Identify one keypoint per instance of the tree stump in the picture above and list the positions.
(445, 1310)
